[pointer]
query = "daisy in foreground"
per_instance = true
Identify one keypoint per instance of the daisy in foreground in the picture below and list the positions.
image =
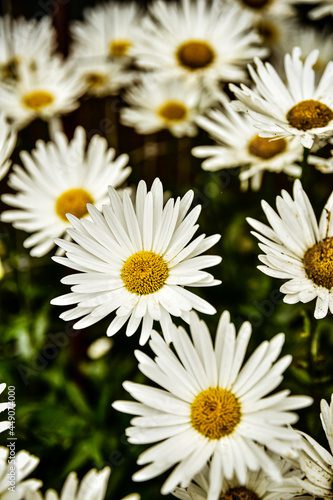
(210, 406)
(13, 471)
(239, 145)
(4, 406)
(315, 461)
(60, 177)
(93, 486)
(258, 485)
(298, 249)
(301, 108)
(136, 260)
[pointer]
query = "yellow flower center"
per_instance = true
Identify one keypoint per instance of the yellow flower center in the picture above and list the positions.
(240, 493)
(309, 114)
(256, 4)
(195, 54)
(73, 201)
(119, 47)
(265, 147)
(95, 80)
(318, 263)
(38, 100)
(144, 272)
(215, 413)
(173, 111)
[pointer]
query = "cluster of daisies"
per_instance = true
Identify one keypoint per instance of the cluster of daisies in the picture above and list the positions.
(211, 410)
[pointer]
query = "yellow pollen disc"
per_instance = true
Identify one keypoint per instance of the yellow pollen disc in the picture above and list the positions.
(144, 272)
(240, 493)
(120, 47)
(195, 54)
(215, 413)
(173, 111)
(318, 263)
(309, 114)
(38, 100)
(73, 201)
(265, 147)
(95, 80)
(256, 4)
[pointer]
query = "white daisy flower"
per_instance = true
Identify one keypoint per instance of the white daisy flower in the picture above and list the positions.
(325, 8)
(60, 177)
(171, 103)
(92, 486)
(258, 485)
(298, 249)
(25, 41)
(4, 425)
(51, 90)
(14, 468)
(239, 145)
(198, 40)
(301, 108)
(7, 144)
(108, 30)
(211, 407)
(263, 8)
(136, 260)
(315, 461)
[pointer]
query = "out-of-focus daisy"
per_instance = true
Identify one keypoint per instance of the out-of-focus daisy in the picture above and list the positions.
(136, 260)
(14, 468)
(315, 461)
(103, 77)
(51, 90)
(93, 486)
(99, 347)
(263, 8)
(239, 145)
(301, 108)
(7, 144)
(4, 406)
(325, 165)
(25, 41)
(308, 38)
(258, 485)
(171, 103)
(60, 177)
(299, 249)
(325, 8)
(108, 30)
(210, 406)
(211, 42)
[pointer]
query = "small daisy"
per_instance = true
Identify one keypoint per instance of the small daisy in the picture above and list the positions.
(108, 30)
(239, 145)
(60, 177)
(25, 41)
(102, 77)
(299, 249)
(13, 471)
(136, 260)
(315, 461)
(4, 406)
(209, 42)
(7, 144)
(325, 8)
(211, 407)
(301, 108)
(258, 485)
(51, 90)
(171, 103)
